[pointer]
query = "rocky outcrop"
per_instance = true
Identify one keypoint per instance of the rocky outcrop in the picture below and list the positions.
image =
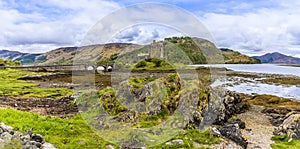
(13, 139)
(221, 109)
(290, 126)
(199, 107)
(287, 122)
(222, 106)
(277, 116)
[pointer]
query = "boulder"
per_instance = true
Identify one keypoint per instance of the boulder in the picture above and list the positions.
(6, 136)
(6, 128)
(215, 131)
(176, 141)
(290, 127)
(238, 121)
(37, 138)
(109, 147)
(48, 146)
(27, 140)
(277, 116)
(232, 132)
(221, 109)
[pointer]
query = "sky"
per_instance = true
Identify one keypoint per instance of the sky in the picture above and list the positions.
(252, 27)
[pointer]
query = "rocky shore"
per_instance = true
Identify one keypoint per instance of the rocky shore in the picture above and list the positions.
(10, 138)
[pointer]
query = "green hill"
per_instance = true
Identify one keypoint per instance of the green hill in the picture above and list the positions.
(235, 57)
(184, 50)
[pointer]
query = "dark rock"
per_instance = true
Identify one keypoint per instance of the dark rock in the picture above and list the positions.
(277, 121)
(223, 109)
(37, 138)
(238, 121)
(248, 129)
(232, 132)
(270, 110)
(277, 116)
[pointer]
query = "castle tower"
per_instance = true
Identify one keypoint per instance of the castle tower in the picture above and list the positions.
(157, 49)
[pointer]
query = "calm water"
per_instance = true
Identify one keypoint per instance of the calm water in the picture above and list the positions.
(260, 68)
(252, 86)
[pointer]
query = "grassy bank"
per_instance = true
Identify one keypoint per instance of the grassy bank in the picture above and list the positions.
(75, 133)
(11, 86)
(63, 133)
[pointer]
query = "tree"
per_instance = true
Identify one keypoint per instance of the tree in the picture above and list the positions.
(17, 63)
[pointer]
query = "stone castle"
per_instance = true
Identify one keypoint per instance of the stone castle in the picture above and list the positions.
(156, 49)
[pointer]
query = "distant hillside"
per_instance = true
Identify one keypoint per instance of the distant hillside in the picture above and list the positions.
(184, 50)
(24, 58)
(102, 53)
(278, 58)
(235, 57)
(194, 48)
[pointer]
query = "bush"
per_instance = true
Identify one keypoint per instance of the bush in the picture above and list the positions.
(141, 64)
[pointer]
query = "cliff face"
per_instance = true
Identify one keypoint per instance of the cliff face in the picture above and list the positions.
(278, 58)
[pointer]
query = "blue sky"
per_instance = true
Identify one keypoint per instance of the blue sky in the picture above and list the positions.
(252, 27)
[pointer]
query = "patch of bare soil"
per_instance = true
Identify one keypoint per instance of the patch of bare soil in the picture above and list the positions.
(259, 129)
(71, 81)
(63, 107)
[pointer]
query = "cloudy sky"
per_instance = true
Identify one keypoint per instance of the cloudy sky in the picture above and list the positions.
(252, 27)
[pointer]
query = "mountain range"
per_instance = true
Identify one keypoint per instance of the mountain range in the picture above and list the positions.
(277, 58)
(24, 58)
(109, 52)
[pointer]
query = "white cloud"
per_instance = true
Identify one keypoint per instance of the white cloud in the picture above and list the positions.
(260, 31)
(252, 27)
(28, 25)
(145, 34)
(154, 14)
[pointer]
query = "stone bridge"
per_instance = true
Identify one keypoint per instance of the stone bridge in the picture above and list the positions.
(64, 68)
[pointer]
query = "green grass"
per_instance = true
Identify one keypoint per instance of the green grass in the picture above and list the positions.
(11, 86)
(281, 142)
(152, 63)
(234, 57)
(139, 82)
(189, 137)
(63, 133)
(75, 133)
